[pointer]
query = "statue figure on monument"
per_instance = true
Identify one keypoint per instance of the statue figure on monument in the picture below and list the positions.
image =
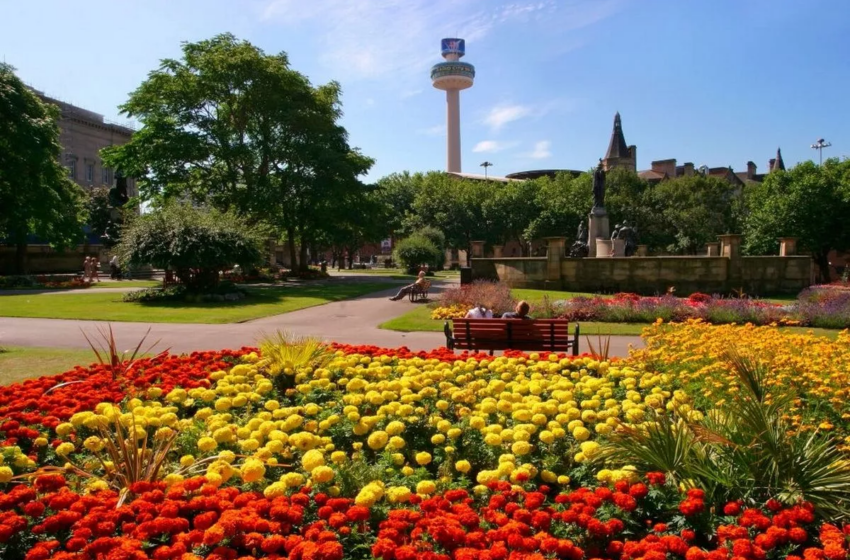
(598, 190)
(629, 235)
(580, 248)
(616, 233)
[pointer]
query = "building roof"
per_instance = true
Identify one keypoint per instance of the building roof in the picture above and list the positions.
(777, 164)
(72, 112)
(535, 173)
(617, 147)
(476, 177)
(650, 175)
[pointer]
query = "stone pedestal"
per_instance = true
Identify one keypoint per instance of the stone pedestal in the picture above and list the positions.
(477, 249)
(497, 251)
(712, 249)
(730, 246)
(642, 250)
(619, 247)
(597, 227)
(787, 246)
(603, 248)
(554, 254)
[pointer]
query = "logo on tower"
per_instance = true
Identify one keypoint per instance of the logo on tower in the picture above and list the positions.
(453, 46)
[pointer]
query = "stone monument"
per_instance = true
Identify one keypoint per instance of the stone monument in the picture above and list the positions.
(598, 226)
(580, 249)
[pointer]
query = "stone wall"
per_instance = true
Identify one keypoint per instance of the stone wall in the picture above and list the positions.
(43, 260)
(653, 275)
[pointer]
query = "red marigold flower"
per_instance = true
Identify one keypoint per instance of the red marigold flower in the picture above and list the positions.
(797, 535)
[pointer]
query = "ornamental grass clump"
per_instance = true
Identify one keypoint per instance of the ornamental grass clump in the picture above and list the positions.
(283, 354)
(744, 448)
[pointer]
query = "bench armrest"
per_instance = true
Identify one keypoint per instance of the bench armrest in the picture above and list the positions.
(450, 340)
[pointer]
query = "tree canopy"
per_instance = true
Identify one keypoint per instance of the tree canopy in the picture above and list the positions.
(810, 202)
(194, 242)
(233, 127)
(36, 195)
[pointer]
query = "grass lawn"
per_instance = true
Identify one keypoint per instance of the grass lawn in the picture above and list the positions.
(20, 362)
(121, 284)
(263, 301)
(397, 273)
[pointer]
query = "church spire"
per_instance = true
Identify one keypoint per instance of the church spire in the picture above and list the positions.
(778, 164)
(617, 148)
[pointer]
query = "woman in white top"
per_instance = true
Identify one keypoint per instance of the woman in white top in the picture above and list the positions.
(479, 312)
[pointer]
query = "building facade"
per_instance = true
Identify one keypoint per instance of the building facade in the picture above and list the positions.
(82, 135)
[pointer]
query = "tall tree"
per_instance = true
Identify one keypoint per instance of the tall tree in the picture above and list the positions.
(231, 126)
(809, 202)
(36, 195)
(510, 208)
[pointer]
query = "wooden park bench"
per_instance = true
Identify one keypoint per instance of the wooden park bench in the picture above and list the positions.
(420, 291)
(512, 334)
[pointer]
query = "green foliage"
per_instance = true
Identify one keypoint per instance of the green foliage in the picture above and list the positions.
(102, 216)
(436, 236)
(196, 243)
(417, 250)
(809, 202)
(36, 195)
(239, 130)
(745, 448)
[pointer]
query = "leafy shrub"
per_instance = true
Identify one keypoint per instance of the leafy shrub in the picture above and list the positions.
(171, 293)
(492, 295)
(417, 250)
(437, 237)
(196, 243)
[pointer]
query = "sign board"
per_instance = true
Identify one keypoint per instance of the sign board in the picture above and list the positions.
(386, 244)
(453, 46)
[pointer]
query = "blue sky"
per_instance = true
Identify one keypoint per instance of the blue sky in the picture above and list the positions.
(713, 82)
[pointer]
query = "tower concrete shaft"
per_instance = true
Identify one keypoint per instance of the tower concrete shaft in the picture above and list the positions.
(453, 130)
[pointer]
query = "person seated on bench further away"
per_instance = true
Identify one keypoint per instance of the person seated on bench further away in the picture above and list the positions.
(410, 287)
(521, 312)
(478, 311)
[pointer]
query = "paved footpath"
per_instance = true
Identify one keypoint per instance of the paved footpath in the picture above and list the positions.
(353, 321)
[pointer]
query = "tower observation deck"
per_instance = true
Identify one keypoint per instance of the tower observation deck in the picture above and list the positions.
(453, 76)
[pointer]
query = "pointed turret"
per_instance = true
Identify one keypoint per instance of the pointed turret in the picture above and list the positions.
(777, 164)
(619, 154)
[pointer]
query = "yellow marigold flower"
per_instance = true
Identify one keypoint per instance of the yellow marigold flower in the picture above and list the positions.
(64, 449)
(422, 458)
(398, 494)
(581, 433)
(293, 479)
(275, 490)
(322, 474)
(312, 459)
(93, 443)
(463, 466)
(377, 440)
(187, 461)
(6, 474)
(521, 448)
(426, 487)
(64, 429)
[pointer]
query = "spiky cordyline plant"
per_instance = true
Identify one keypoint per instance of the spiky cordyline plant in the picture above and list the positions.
(283, 354)
(119, 363)
(746, 449)
(602, 348)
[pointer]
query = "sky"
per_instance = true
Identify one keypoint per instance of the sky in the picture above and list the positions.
(712, 82)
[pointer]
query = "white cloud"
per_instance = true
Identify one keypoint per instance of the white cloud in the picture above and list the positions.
(541, 150)
(437, 130)
(501, 115)
(410, 93)
(491, 146)
(398, 39)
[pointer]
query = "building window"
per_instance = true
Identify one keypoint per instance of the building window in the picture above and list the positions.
(72, 169)
(90, 173)
(105, 176)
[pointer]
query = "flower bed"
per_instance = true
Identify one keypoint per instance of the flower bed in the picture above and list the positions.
(307, 453)
(42, 282)
(819, 306)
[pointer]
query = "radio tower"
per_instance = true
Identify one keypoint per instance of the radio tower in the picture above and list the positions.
(452, 76)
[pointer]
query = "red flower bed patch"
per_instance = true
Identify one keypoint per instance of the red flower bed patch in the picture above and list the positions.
(192, 520)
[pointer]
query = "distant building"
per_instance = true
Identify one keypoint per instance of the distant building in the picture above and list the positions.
(82, 135)
(620, 155)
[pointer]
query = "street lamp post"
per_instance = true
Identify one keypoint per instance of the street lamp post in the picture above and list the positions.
(485, 165)
(819, 146)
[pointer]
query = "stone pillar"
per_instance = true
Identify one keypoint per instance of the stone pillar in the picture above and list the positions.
(597, 227)
(618, 247)
(554, 255)
(497, 251)
(603, 248)
(787, 246)
(730, 246)
(477, 249)
(712, 249)
(642, 250)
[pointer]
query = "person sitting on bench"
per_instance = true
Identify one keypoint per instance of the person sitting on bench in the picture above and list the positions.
(479, 312)
(521, 311)
(410, 287)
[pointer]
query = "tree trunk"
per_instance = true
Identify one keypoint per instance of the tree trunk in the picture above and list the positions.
(21, 257)
(293, 253)
(302, 258)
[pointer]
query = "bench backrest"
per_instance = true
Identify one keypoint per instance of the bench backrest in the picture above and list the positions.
(513, 334)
